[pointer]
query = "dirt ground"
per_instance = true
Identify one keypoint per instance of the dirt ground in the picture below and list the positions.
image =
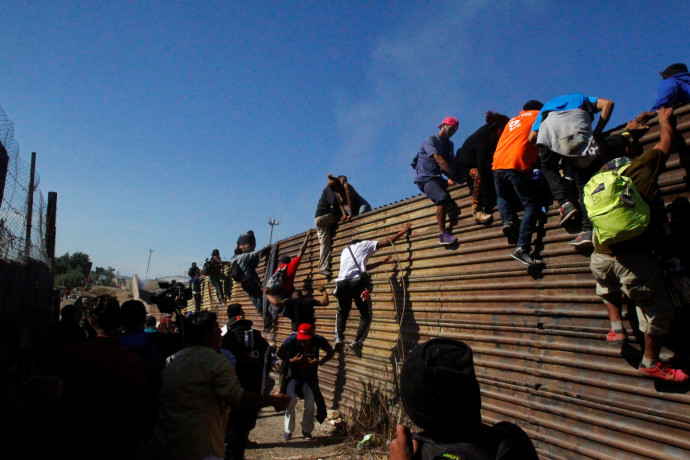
(270, 444)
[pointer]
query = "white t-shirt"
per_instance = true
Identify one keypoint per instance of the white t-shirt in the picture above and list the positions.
(362, 251)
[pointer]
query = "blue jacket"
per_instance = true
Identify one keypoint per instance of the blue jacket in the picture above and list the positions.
(673, 90)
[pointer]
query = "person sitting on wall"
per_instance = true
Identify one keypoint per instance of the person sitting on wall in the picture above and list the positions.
(440, 394)
(354, 203)
(674, 88)
(329, 212)
(433, 160)
(472, 164)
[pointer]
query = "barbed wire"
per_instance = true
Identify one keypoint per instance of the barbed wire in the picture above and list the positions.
(14, 208)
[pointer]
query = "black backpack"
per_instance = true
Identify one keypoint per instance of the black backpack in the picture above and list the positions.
(277, 280)
(509, 441)
(236, 272)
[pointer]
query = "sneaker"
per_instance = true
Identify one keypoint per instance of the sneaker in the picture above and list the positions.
(510, 233)
(616, 336)
(338, 345)
(482, 217)
(356, 349)
(663, 372)
(583, 239)
(306, 435)
(324, 272)
(446, 238)
(567, 212)
(287, 436)
(521, 255)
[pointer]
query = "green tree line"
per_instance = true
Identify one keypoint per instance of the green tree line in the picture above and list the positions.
(72, 269)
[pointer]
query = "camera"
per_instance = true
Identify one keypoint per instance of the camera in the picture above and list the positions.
(165, 301)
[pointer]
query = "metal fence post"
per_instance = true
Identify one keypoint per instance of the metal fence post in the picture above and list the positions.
(50, 227)
(4, 161)
(30, 208)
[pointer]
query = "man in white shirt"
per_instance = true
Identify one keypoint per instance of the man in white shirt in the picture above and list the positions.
(351, 285)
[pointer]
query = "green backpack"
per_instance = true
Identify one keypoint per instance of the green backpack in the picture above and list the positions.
(614, 205)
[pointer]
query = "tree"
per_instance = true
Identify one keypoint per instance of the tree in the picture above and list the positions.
(62, 264)
(72, 278)
(77, 261)
(81, 261)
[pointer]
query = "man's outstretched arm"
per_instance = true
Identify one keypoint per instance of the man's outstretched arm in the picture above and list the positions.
(605, 108)
(383, 242)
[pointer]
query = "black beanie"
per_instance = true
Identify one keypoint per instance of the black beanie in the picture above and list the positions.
(532, 105)
(674, 69)
(439, 389)
(247, 238)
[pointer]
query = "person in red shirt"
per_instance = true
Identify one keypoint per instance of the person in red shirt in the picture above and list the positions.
(514, 160)
(292, 264)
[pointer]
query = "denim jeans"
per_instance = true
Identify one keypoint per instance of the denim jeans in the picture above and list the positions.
(560, 187)
(346, 292)
(510, 182)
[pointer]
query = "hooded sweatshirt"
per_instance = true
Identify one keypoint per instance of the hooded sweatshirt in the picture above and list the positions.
(673, 90)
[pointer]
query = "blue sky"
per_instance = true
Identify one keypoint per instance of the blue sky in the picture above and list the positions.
(178, 125)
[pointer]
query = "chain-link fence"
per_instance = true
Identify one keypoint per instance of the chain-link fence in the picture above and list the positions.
(19, 209)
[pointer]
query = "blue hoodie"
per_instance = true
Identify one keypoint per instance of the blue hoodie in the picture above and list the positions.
(673, 90)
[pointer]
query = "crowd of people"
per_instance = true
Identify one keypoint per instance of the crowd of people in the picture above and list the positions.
(126, 390)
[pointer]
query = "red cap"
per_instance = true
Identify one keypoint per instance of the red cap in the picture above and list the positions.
(452, 121)
(305, 331)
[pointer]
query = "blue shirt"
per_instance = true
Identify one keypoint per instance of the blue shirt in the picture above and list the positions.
(425, 165)
(673, 90)
(567, 102)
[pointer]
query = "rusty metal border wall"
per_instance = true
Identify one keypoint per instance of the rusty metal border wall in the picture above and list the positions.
(539, 338)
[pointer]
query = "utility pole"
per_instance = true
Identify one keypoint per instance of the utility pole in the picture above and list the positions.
(272, 222)
(149, 263)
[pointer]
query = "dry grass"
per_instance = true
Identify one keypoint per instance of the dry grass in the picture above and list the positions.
(377, 411)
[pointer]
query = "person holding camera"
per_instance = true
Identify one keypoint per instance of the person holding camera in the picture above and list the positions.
(353, 284)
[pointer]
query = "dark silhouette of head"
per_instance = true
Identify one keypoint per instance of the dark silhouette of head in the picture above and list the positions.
(133, 316)
(497, 121)
(104, 315)
(200, 326)
(532, 104)
(439, 388)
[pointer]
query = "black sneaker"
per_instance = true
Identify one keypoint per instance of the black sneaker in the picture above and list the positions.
(510, 233)
(306, 435)
(523, 256)
(356, 349)
(567, 212)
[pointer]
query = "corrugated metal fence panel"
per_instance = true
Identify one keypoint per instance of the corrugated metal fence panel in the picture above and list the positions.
(538, 337)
